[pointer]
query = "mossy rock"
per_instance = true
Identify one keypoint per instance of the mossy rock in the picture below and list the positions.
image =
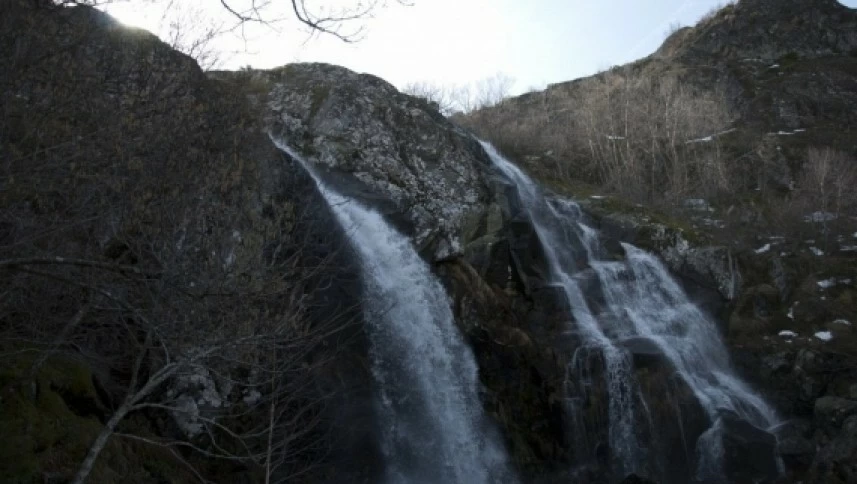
(49, 422)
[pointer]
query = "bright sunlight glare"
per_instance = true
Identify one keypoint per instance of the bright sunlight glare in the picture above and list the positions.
(141, 16)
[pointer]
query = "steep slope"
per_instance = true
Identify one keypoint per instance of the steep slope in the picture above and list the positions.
(145, 216)
(739, 132)
(148, 222)
(768, 67)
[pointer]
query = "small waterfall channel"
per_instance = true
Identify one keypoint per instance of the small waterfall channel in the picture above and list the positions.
(433, 426)
(620, 306)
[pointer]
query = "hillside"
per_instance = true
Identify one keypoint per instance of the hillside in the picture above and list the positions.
(303, 275)
(726, 107)
(742, 132)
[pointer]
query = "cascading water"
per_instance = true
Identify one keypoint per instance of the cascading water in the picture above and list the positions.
(434, 429)
(636, 300)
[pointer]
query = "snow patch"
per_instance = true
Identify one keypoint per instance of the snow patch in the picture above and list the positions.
(707, 139)
(827, 283)
(252, 396)
(816, 251)
(710, 222)
(787, 334)
(824, 335)
(763, 249)
(818, 217)
(698, 204)
(844, 322)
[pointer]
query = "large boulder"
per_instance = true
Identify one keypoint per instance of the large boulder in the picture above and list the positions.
(394, 145)
(750, 453)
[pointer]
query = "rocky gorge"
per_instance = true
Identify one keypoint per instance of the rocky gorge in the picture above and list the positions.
(185, 196)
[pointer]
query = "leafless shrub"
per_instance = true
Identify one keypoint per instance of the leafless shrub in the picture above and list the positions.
(458, 99)
(646, 136)
(128, 241)
(828, 179)
(651, 138)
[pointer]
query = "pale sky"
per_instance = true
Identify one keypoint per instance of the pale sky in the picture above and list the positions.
(536, 42)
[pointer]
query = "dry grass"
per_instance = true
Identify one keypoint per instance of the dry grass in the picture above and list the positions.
(647, 137)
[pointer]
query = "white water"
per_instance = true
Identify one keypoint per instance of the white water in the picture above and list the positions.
(641, 299)
(433, 426)
(558, 237)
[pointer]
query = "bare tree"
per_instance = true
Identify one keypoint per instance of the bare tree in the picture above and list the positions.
(653, 137)
(130, 243)
(463, 98)
(343, 20)
(442, 97)
(825, 188)
(492, 90)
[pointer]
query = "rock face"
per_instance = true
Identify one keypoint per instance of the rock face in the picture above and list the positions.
(118, 149)
(770, 29)
(750, 453)
(215, 195)
(397, 145)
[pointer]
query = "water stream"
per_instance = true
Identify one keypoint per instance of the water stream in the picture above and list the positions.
(616, 302)
(433, 426)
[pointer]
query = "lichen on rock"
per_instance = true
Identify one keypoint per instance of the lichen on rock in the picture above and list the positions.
(397, 145)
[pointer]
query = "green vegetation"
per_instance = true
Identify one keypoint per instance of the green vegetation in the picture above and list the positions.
(40, 432)
(788, 59)
(48, 423)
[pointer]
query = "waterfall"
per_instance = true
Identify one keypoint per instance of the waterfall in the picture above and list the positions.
(433, 426)
(634, 300)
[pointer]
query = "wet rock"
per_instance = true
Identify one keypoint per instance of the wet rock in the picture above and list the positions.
(794, 438)
(551, 299)
(837, 460)
(646, 353)
(750, 453)
(831, 412)
(635, 479)
(754, 310)
(781, 279)
(776, 363)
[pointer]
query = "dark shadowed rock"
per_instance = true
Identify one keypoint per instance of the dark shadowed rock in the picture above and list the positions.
(750, 453)
(644, 351)
(635, 479)
(835, 461)
(831, 412)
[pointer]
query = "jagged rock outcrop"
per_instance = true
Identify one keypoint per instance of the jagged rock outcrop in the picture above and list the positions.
(768, 30)
(397, 145)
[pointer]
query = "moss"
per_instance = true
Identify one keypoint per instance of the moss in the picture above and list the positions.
(44, 434)
(788, 59)
(41, 433)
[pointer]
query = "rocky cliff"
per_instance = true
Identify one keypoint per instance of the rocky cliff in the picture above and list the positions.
(144, 201)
